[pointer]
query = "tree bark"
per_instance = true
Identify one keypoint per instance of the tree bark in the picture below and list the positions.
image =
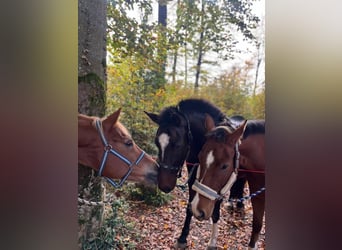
(92, 57)
(92, 25)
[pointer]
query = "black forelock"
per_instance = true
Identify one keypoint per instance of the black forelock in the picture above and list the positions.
(167, 115)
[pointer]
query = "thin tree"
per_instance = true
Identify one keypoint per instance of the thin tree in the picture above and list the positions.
(162, 18)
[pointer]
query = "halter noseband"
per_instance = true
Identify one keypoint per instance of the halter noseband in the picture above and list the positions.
(109, 149)
(209, 192)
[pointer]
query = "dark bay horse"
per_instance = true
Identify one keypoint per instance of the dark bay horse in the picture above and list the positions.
(106, 146)
(181, 135)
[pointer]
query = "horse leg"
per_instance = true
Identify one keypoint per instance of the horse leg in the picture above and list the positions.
(214, 230)
(236, 192)
(181, 241)
(241, 185)
(258, 204)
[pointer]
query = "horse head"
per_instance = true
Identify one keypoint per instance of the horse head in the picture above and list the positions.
(218, 167)
(172, 139)
(106, 145)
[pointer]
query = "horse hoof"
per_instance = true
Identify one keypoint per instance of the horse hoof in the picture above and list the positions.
(179, 245)
(211, 248)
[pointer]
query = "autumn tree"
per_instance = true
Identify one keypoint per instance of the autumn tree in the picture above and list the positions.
(208, 28)
(138, 40)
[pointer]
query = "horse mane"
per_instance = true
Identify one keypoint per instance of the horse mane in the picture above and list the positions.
(254, 127)
(166, 115)
(200, 105)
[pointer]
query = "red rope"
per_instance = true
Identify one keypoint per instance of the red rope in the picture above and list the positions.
(240, 170)
(251, 171)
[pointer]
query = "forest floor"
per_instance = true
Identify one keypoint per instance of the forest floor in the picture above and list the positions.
(159, 227)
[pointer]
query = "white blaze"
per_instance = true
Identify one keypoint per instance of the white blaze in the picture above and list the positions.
(210, 158)
(194, 203)
(163, 141)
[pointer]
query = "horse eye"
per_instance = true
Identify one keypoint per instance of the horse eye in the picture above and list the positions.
(225, 166)
(129, 143)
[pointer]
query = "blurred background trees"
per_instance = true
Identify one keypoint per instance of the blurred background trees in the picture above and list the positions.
(160, 52)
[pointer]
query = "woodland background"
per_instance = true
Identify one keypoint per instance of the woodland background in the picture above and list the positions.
(146, 55)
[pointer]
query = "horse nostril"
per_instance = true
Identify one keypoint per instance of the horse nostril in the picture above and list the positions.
(152, 178)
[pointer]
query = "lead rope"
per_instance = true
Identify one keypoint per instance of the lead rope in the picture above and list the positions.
(92, 203)
(248, 196)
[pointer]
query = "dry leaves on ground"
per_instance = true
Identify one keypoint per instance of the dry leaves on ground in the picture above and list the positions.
(160, 226)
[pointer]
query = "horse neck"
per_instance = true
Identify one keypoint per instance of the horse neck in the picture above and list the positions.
(88, 142)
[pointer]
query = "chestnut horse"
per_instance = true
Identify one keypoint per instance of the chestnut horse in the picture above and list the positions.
(219, 161)
(180, 137)
(106, 146)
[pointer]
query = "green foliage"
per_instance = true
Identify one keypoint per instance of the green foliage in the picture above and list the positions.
(135, 72)
(150, 196)
(138, 41)
(231, 92)
(115, 233)
(209, 27)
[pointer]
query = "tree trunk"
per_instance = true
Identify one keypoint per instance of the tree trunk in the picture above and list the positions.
(257, 70)
(174, 65)
(162, 12)
(175, 54)
(162, 18)
(92, 57)
(199, 63)
(92, 25)
(200, 50)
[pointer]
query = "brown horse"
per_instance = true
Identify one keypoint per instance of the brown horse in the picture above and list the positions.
(106, 146)
(180, 137)
(219, 162)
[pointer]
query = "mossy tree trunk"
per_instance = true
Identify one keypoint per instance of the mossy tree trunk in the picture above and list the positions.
(91, 100)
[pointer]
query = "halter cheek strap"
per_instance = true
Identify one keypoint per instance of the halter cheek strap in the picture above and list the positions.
(109, 149)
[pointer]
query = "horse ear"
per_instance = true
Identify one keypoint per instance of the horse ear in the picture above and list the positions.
(237, 134)
(153, 117)
(209, 123)
(110, 120)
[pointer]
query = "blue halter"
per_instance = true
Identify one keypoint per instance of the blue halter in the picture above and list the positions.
(109, 149)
